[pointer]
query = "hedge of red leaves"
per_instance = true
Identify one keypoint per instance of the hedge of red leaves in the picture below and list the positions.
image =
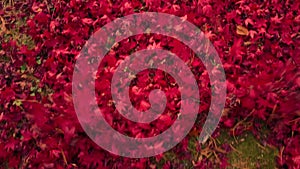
(257, 41)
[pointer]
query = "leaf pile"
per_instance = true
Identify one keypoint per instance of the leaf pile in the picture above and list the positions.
(257, 41)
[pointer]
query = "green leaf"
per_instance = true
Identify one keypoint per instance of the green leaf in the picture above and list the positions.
(23, 68)
(39, 61)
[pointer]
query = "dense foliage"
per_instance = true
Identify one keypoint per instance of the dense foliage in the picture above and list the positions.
(258, 43)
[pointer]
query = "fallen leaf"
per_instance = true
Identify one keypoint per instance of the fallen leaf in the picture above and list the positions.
(240, 30)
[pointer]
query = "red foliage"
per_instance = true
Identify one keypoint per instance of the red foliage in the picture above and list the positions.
(257, 41)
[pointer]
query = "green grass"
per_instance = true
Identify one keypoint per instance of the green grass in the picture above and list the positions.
(248, 153)
(11, 31)
(20, 38)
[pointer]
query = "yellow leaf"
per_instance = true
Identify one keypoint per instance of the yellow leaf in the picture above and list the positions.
(240, 30)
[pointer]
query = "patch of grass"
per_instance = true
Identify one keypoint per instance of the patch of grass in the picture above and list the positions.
(14, 33)
(249, 153)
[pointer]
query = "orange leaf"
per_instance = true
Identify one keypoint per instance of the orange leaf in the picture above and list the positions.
(240, 30)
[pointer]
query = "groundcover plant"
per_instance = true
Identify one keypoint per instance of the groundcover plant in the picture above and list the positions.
(258, 43)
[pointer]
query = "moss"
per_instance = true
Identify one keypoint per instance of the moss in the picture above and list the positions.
(249, 153)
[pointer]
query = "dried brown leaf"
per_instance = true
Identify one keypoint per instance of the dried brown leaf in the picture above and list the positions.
(240, 30)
